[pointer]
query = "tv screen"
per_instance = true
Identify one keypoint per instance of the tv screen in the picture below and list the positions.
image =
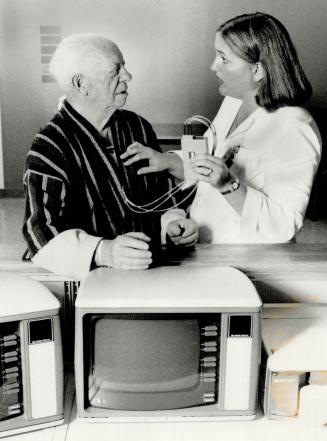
(151, 361)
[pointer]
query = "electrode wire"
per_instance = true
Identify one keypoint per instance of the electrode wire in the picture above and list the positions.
(166, 195)
(139, 209)
(150, 206)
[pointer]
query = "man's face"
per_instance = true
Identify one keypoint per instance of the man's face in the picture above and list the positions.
(109, 89)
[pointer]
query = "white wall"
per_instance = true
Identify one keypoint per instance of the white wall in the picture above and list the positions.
(168, 47)
(2, 179)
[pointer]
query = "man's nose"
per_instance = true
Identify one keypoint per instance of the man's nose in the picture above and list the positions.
(125, 75)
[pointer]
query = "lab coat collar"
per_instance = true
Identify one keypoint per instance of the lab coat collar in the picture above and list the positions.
(247, 123)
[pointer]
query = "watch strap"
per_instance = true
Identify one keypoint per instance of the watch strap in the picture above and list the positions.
(233, 186)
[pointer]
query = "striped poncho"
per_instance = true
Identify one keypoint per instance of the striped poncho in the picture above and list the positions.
(74, 178)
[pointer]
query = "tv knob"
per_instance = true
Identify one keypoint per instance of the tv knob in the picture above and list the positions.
(9, 337)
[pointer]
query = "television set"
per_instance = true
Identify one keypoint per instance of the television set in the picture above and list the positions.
(31, 381)
(168, 343)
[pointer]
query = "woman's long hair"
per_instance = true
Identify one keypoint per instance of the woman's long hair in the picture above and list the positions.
(259, 37)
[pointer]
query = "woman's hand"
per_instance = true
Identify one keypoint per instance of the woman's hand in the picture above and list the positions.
(210, 169)
(136, 152)
(129, 251)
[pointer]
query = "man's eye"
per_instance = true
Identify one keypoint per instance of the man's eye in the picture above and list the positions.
(223, 59)
(114, 71)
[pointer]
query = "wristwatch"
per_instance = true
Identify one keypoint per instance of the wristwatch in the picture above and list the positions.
(233, 186)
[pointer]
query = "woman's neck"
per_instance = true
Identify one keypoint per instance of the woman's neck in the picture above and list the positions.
(246, 109)
(249, 105)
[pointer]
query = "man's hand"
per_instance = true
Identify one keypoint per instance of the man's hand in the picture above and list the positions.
(129, 251)
(137, 152)
(183, 232)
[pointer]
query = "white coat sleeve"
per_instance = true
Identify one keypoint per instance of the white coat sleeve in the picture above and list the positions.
(275, 212)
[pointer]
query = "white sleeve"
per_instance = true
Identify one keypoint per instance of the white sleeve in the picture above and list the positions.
(68, 254)
(275, 213)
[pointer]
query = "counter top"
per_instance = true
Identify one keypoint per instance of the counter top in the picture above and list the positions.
(291, 261)
(271, 261)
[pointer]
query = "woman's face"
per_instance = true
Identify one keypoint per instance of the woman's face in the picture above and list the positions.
(235, 76)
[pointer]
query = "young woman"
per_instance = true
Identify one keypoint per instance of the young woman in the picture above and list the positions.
(261, 193)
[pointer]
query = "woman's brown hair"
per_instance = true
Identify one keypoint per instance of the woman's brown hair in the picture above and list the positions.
(259, 37)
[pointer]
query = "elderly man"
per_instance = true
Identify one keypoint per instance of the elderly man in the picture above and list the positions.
(76, 183)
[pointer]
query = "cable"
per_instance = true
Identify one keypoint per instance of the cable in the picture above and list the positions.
(205, 121)
(140, 209)
(166, 195)
(157, 210)
(154, 205)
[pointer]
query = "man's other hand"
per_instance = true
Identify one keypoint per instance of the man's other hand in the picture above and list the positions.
(182, 232)
(129, 251)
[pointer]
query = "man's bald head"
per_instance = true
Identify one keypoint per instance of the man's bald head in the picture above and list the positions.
(85, 54)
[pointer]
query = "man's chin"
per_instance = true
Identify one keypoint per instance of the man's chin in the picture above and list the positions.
(120, 100)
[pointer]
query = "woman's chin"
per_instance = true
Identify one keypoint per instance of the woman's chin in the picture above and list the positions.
(222, 90)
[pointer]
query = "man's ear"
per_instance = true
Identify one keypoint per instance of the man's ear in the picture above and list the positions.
(258, 72)
(79, 83)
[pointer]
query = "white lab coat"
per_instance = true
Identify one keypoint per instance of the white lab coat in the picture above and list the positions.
(278, 156)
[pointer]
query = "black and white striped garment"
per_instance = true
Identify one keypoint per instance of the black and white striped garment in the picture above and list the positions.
(74, 178)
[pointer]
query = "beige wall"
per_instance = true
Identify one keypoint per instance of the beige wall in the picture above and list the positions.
(2, 180)
(168, 47)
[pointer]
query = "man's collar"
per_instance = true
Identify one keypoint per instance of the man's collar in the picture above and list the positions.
(68, 108)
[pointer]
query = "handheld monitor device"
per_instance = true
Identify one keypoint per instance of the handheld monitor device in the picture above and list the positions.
(31, 381)
(192, 145)
(170, 343)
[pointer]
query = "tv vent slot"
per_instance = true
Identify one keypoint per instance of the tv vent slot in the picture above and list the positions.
(11, 393)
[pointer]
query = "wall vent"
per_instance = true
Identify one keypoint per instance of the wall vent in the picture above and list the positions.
(50, 37)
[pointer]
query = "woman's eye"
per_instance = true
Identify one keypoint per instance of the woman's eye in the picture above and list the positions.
(221, 58)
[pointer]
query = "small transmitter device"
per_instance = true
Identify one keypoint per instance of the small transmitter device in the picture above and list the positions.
(192, 146)
(195, 145)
